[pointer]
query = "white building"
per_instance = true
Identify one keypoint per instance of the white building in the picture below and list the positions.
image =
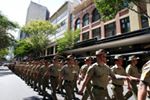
(63, 18)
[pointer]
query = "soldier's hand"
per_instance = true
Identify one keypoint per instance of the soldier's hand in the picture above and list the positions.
(79, 82)
(80, 92)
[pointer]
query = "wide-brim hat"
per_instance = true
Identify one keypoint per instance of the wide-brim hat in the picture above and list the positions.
(116, 57)
(70, 57)
(99, 52)
(87, 58)
(132, 58)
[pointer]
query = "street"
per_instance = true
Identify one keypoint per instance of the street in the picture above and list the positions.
(13, 88)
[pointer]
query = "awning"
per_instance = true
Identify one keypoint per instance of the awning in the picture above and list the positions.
(116, 43)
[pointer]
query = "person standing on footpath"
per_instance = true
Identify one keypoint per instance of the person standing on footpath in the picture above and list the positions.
(132, 70)
(83, 70)
(144, 81)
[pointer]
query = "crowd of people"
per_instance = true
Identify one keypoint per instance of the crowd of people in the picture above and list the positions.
(63, 75)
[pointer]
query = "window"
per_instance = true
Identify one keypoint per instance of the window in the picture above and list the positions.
(77, 24)
(125, 25)
(95, 15)
(86, 19)
(96, 33)
(50, 50)
(85, 36)
(144, 21)
(62, 23)
(110, 29)
(71, 21)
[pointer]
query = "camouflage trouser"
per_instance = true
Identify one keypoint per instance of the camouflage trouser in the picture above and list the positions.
(69, 86)
(54, 84)
(134, 90)
(117, 92)
(88, 93)
(100, 93)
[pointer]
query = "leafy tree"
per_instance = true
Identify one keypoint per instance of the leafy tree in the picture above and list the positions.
(67, 42)
(39, 27)
(6, 39)
(39, 32)
(3, 53)
(23, 48)
(109, 8)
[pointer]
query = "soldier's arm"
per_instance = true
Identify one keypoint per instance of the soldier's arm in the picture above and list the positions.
(87, 80)
(88, 77)
(142, 91)
(116, 76)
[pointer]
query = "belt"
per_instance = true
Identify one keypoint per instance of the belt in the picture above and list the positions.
(98, 87)
(67, 81)
(52, 77)
(117, 85)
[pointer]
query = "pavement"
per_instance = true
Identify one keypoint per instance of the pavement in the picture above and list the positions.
(13, 87)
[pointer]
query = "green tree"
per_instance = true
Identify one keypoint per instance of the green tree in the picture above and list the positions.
(39, 27)
(39, 32)
(67, 42)
(3, 53)
(6, 26)
(23, 48)
(109, 8)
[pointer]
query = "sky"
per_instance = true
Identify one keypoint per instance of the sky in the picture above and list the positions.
(16, 10)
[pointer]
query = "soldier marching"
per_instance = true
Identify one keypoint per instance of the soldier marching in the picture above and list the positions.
(64, 73)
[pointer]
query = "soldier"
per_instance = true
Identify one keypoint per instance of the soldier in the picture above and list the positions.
(144, 81)
(68, 76)
(76, 74)
(117, 85)
(99, 74)
(54, 70)
(83, 70)
(132, 70)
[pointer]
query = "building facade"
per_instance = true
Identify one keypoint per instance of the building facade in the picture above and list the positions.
(63, 18)
(128, 33)
(35, 12)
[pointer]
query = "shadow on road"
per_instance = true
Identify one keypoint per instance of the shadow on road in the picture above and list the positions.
(33, 98)
(4, 73)
(1, 69)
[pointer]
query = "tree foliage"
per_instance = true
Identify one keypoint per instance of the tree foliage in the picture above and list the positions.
(39, 27)
(3, 53)
(67, 42)
(23, 48)
(38, 35)
(6, 39)
(109, 8)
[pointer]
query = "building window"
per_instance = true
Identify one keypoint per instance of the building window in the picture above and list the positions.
(85, 36)
(62, 23)
(85, 19)
(144, 21)
(110, 29)
(77, 24)
(96, 33)
(125, 25)
(71, 21)
(95, 15)
(50, 50)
